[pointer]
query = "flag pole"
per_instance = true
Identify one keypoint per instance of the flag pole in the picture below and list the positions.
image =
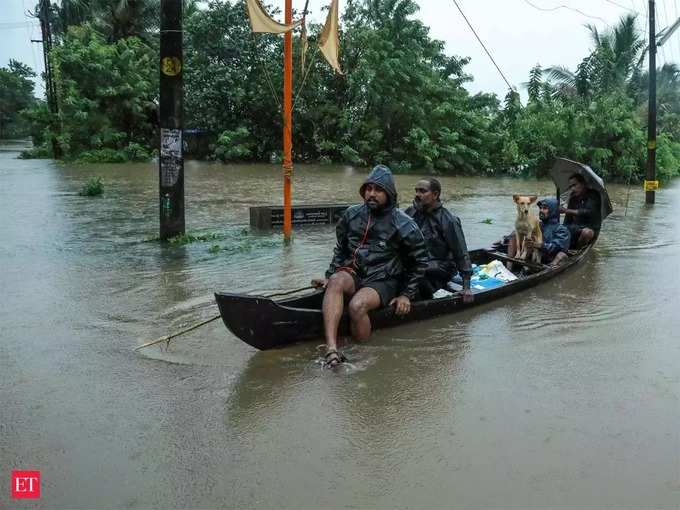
(287, 122)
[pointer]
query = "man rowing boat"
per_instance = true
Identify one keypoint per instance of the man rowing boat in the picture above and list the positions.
(379, 260)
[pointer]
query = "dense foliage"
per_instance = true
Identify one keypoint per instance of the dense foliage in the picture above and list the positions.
(106, 96)
(401, 100)
(16, 94)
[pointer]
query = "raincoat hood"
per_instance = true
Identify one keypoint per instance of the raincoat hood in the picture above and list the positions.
(382, 176)
(553, 209)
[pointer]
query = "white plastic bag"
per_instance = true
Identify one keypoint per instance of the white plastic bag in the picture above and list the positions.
(496, 269)
(441, 293)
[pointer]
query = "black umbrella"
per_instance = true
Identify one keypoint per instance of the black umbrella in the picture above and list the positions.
(565, 168)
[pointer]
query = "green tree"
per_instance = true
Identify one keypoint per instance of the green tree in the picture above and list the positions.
(16, 94)
(233, 77)
(115, 19)
(107, 92)
(614, 60)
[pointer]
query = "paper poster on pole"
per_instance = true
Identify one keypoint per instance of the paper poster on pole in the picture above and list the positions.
(171, 156)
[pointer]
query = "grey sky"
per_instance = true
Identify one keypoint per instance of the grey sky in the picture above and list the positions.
(517, 34)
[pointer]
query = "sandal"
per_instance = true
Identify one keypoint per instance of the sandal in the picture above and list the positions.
(333, 358)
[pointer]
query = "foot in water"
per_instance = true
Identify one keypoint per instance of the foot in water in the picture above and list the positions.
(334, 358)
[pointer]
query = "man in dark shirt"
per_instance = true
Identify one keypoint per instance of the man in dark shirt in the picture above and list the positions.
(582, 214)
(445, 240)
(379, 259)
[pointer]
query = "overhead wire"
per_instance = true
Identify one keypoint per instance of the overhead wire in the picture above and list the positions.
(10, 25)
(304, 75)
(665, 23)
(548, 9)
(675, 17)
(621, 6)
(668, 22)
(483, 46)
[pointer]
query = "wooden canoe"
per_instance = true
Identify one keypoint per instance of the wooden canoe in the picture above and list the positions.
(265, 323)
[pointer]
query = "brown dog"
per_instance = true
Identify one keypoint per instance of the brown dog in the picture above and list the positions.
(527, 226)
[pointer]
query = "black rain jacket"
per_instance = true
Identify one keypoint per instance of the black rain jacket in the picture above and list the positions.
(381, 245)
(445, 240)
(556, 237)
(588, 207)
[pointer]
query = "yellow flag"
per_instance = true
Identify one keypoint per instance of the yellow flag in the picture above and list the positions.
(329, 40)
(261, 22)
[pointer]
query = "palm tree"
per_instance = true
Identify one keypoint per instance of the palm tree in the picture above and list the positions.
(613, 62)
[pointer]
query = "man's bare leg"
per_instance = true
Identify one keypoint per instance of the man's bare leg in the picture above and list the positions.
(512, 250)
(559, 258)
(585, 237)
(365, 300)
(339, 285)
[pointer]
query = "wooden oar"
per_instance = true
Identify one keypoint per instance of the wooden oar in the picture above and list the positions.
(167, 338)
(530, 265)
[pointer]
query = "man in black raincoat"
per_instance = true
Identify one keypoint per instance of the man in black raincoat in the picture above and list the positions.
(444, 238)
(582, 214)
(379, 259)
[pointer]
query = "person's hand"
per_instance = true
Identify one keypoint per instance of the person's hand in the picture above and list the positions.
(402, 305)
(319, 283)
(563, 210)
(467, 295)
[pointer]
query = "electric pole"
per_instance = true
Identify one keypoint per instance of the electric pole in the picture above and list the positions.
(50, 88)
(650, 175)
(171, 160)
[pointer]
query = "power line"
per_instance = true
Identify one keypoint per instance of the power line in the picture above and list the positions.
(621, 6)
(658, 22)
(677, 39)
(9, 25)
(666, 16)
(546, 9)
(480, 42)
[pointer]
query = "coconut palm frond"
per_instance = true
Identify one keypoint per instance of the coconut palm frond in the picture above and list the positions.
(561, 75)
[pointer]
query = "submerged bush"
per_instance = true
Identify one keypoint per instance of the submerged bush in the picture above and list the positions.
(189, 238)
(235, 145)
(40, 152)
(102, 156)
(92, 188)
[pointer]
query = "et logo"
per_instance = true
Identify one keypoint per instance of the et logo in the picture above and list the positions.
(25, 484)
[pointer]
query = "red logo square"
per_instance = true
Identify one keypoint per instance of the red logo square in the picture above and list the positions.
(25, 484)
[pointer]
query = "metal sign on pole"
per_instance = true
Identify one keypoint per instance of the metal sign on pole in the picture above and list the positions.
(171, 158)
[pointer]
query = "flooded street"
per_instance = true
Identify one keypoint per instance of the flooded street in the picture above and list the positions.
(564, 396)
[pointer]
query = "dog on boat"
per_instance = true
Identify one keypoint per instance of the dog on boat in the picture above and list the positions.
(527, 226)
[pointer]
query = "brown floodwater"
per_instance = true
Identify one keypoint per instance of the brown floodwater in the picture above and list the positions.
(564, 396)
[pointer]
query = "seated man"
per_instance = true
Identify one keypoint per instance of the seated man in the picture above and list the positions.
(555, 236)
(582, 214)
(445, 241)
(379, 260)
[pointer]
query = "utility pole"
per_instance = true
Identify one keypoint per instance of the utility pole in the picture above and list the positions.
(43, 16)
(650, 175)
(171, 160)
(287, 123)
(50, 88)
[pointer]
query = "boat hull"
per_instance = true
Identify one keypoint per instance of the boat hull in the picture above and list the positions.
(266, 324)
